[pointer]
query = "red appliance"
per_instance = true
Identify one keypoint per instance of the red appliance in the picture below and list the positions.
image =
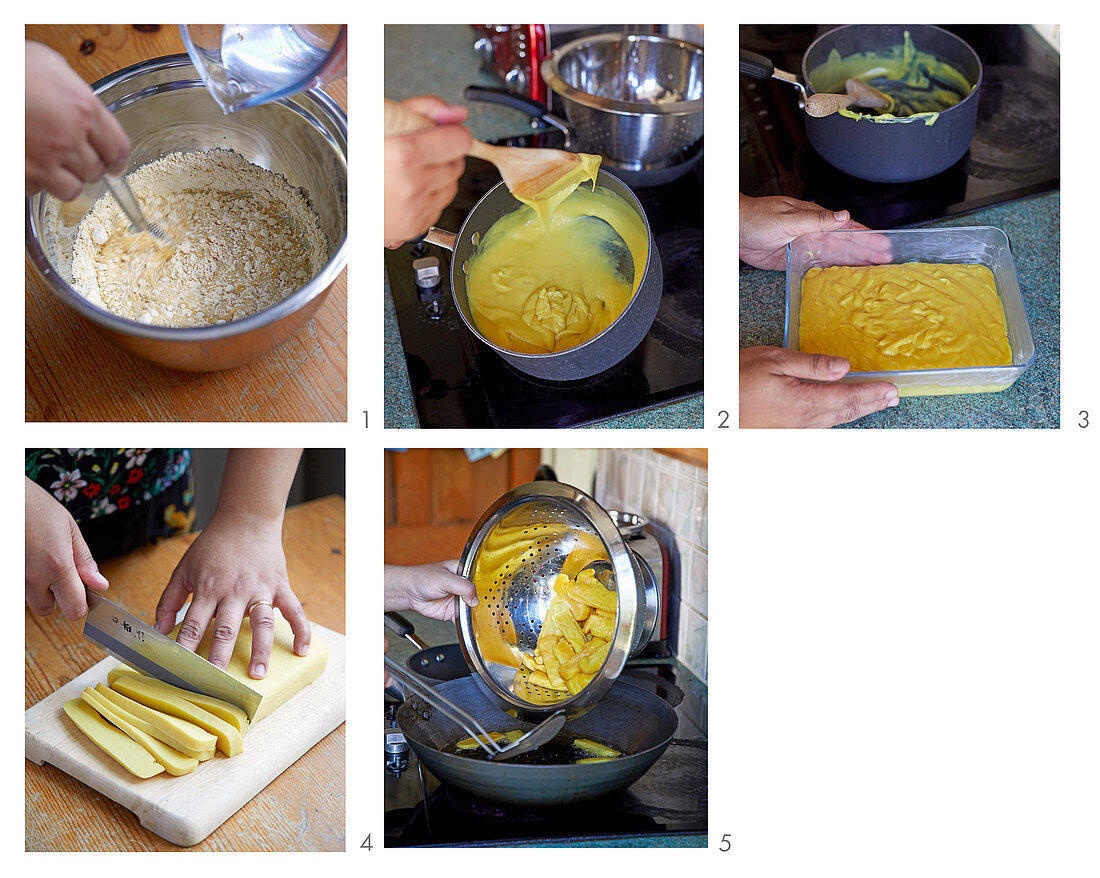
(513, 53)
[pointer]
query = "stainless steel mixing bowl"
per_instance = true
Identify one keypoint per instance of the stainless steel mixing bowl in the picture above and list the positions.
(636, 99)
(164, 107)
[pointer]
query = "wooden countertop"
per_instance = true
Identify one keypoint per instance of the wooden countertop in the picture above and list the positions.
(303, 809)
(74, 374)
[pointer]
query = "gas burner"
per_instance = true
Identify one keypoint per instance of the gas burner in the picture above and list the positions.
(602, 379)
(483, 810)
(679, 322)
(877, 205)
(1018, 125)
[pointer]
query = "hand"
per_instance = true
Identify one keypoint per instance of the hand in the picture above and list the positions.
(237, 560)
(767, 225)
(774, 394)
(58, 561)
(71, 138)
(422, 169)
(429, 589)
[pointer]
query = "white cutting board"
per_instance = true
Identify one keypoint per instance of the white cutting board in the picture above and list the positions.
(185, 810)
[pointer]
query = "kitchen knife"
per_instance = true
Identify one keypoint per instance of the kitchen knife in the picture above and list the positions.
(132, 641)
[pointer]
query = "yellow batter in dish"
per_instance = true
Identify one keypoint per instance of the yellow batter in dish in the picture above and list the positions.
(909, 316)
(535, 289)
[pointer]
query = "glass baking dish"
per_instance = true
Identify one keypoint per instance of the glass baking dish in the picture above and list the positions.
(974, 245)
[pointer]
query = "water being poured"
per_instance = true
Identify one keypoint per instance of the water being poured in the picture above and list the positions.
(243, 65)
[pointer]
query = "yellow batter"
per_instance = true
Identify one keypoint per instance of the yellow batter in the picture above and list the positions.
(545, 199)
(910, 316)
(921, 84)
(538, 290)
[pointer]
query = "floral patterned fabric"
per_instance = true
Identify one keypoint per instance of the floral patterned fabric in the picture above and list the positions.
(95, 482)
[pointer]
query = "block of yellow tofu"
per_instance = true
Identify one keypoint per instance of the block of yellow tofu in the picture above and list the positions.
(174, 762)
(287, 673)
(115, 743)
(179, 733)
(142, 691)
(222, 709)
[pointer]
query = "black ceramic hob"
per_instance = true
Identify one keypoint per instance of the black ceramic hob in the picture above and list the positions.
(459, 382)
(1015, 152)
(666, 806)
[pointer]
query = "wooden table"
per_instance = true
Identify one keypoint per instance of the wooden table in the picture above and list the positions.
(303, 809)
(73, 374)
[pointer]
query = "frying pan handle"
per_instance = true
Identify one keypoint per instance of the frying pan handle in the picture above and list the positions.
(402, 627)
(754, 65)
(507, 98)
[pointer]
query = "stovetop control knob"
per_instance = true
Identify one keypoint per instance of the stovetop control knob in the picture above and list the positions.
(436, 309)
(427, 277)
(397, 751)
(516, 80)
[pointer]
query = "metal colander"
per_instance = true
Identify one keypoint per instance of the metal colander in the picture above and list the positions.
(513, 556)
(635, 99)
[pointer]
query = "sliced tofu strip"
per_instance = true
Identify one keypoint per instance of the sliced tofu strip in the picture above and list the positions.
(142, 691)
(174, 762)
(221, 709)
(130, 755)
(595, 748)
(185, 736)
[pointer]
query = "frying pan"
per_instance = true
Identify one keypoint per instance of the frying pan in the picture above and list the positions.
(433, 662)
(596, 355)
(898, 151)
(628, 718)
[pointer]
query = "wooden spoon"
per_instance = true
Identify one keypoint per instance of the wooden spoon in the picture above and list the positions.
(859, 94)
(530, 174)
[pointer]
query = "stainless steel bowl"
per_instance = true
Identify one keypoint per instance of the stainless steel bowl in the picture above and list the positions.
(636, 99)
(164, 107)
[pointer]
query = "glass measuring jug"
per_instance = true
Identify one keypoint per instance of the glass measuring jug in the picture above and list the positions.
(244, 65)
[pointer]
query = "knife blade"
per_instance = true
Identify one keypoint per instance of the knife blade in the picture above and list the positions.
(133, 642)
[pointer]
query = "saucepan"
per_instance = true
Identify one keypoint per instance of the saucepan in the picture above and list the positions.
(873, 148)
(638, 723)
(597, 354)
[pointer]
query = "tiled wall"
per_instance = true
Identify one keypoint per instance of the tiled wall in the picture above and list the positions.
(673, 495)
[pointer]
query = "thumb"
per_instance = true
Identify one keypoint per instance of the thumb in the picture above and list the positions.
(827, 220)
(815, 367)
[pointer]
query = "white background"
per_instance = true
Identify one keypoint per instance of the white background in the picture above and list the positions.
(904, 624)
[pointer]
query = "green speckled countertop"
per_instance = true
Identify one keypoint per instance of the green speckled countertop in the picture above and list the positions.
(439, 60)
(1033, 228)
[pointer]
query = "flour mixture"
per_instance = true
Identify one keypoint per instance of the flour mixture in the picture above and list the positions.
(243, 240)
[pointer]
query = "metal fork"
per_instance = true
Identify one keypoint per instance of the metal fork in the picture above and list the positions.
(120, 189)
